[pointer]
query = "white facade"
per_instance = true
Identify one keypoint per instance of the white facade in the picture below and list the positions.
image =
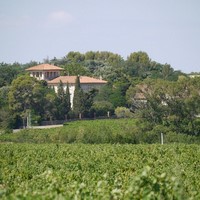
(51, 74)
(85, 87)
(45, 75)
(71, 90)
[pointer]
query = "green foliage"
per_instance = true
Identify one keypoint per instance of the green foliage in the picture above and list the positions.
(4, 96)
(6, 120)
(115, 94)
(75, 57)
(173, 104)
(30, 95)
(79, 98)
(55, 171)
(8, 73)
(63, 101)
(82, 101)
(104, 93)
(49, 105)
(118, 94)
(89, 100)
(113, 131)
(101, 108)
(75, 69)
(138, 64)
(122, 76)
(21, 94)
(123, 112)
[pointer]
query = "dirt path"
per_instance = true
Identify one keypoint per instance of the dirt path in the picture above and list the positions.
(40, 127)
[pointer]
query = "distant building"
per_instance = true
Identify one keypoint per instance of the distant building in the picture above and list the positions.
(51, 74)
(193, 75)
(45, 72)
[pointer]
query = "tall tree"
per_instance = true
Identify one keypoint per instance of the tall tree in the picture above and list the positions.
(6, 117)
(9, 73)
(75, 69)
(79, 98)
(63, 101)
(27, 94)
(138, 64)
(68, 99)
(21, 98)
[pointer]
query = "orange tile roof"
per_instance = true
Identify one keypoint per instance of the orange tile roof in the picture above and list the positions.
(72, 79)
(44, 67)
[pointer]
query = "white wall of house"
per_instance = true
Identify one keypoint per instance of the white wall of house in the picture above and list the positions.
(71, 91)
(84, 86)
(44, 75)
(51, 74)
(89, 86)
(38, 75)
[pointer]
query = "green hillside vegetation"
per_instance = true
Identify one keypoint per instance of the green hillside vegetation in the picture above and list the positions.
(112, 131)
(172, 98)
(78, 171)
(96, 159)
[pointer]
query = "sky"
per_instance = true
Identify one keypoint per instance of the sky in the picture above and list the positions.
(167, 30)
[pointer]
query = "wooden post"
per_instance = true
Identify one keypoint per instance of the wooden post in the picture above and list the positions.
(161, 138)
(28, 122)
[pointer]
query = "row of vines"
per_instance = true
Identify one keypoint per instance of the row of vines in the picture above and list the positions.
(104, 171)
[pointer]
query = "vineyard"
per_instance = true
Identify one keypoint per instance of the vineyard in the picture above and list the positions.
(100, 171)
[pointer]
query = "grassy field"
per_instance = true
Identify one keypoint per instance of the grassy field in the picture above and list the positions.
(97, 132)
(104, 171)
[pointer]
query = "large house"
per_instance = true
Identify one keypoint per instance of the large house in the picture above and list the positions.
(44, 72)
(51, 74)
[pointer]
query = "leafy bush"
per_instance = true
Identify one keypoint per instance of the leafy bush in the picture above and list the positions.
(101, 108)
(122, 112)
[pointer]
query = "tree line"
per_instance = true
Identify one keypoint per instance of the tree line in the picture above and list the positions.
(171, 98)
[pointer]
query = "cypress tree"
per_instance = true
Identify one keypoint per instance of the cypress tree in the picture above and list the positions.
(63, 101)
(67, 96)
(61, 92)
(78, 101)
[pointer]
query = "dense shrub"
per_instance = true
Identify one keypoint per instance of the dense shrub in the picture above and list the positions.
(122, 112)
(101, 108)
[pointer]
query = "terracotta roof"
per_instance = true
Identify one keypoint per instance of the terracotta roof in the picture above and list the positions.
(44, 67)
(72, 79)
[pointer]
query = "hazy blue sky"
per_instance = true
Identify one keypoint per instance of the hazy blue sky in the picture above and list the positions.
(168, 30)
